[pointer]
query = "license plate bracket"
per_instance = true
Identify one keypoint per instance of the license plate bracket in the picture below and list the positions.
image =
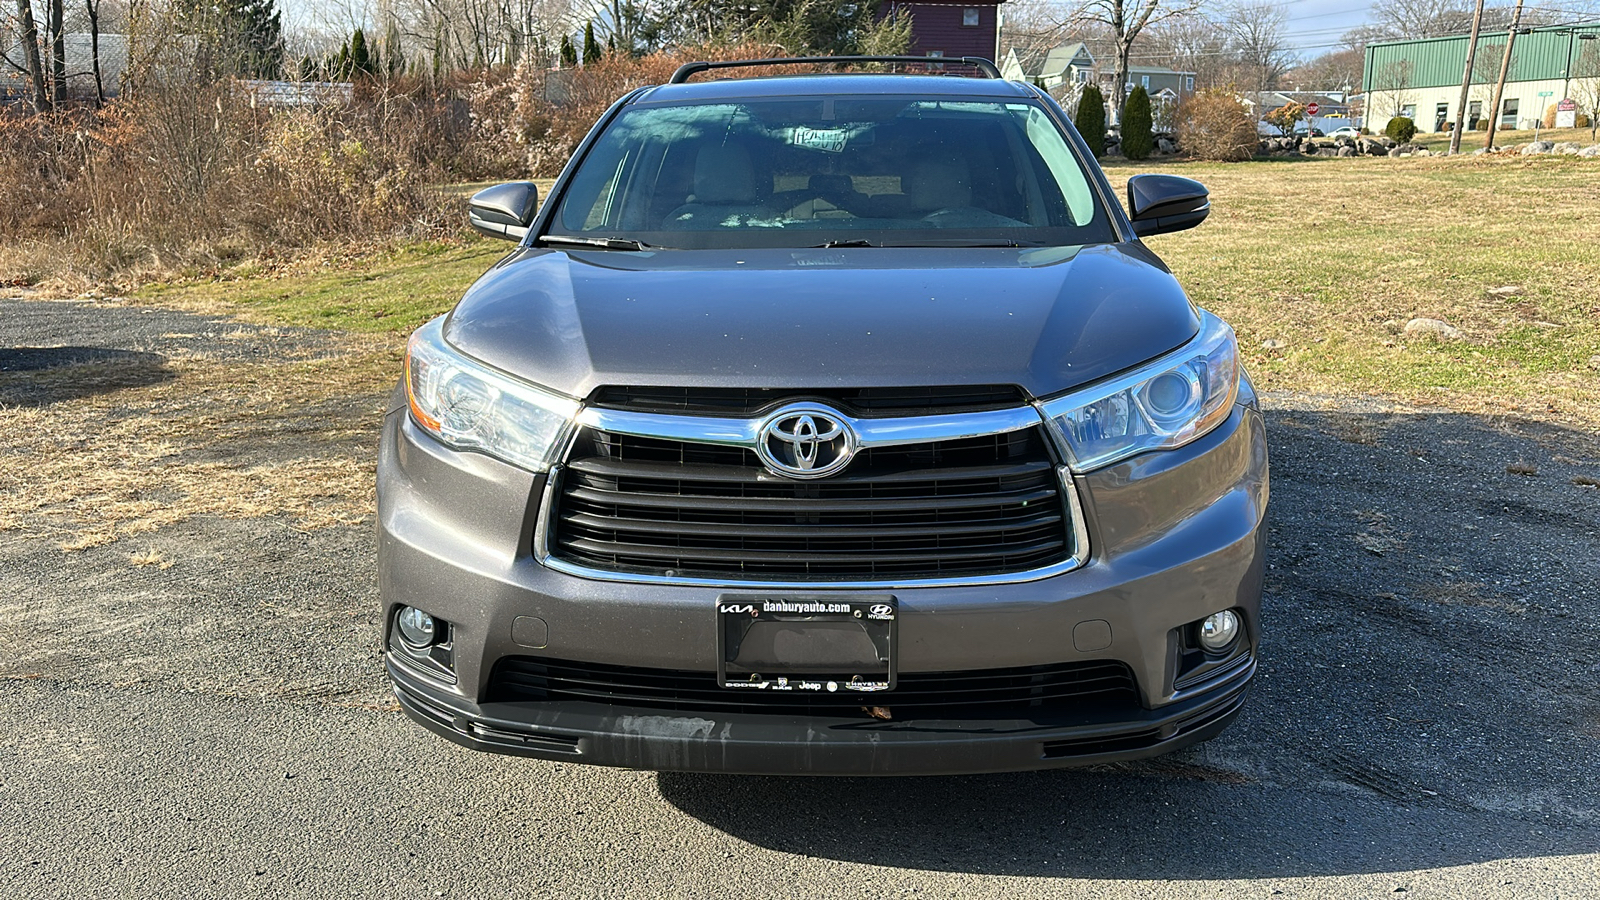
(807, 643)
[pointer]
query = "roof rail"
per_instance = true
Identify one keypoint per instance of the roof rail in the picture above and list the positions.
(688, 69)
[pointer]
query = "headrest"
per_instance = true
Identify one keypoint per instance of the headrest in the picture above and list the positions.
(936, 185)
(724, 175)
(831, 183)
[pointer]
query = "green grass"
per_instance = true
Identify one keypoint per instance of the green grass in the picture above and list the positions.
(1330, 257)
(1472, 140)
(394, 290)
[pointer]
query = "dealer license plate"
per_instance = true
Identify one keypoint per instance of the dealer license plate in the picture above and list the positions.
(807, 643)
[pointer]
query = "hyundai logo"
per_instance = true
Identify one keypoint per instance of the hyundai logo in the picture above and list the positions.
(805, 442)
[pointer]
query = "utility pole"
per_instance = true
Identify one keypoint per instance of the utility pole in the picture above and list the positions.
(1505, 67)
(1466, 79)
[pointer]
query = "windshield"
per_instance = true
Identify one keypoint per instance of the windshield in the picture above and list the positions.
(844, 171)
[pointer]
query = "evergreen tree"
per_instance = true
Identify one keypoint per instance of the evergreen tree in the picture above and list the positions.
(1091, 119)
(591, 47)
(825, 27)
(1138, 139)
(569, 53)
(394, 55)
(240, 37)
(361, 61)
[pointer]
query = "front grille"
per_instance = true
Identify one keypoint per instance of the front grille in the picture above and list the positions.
(1064, 688)
(967, 507)
(865, 402)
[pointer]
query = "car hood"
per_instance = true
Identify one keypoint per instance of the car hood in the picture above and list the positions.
(1048, 319)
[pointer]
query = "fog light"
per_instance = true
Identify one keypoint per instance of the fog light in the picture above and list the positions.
(418, 629)
(1219, 630)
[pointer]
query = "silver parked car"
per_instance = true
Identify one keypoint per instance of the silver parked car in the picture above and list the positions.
(837, 424)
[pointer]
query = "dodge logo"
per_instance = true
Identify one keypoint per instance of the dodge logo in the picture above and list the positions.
(805, 442)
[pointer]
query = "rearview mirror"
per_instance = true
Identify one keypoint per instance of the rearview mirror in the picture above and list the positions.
(505, 210)
(1158, 204)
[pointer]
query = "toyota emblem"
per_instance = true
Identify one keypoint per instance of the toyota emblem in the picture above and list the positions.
(805, 442)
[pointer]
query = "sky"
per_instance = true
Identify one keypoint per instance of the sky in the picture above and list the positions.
(1315, 26)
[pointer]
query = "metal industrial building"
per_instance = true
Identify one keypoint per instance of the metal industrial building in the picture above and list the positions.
(1421, 79)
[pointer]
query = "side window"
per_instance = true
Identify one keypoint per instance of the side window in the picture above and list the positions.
(1047, 140)
(969, 17)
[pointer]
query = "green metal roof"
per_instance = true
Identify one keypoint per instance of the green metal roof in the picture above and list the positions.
(1438, 62)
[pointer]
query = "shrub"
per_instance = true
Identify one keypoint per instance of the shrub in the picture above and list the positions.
(1401, 129)
(1480, 125)
(1550, 116)
(1138, 136)
(1582, 121)
(1091, 119)
(187, 174)
(1214, 125)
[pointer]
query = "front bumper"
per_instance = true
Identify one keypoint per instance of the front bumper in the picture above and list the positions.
(779, 745)
(1176, 536)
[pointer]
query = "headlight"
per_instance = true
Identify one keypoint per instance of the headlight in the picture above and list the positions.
(470, 406)
(1165, 404)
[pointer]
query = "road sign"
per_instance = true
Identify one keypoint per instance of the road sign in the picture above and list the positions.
(1547, 93)
(1312, 109)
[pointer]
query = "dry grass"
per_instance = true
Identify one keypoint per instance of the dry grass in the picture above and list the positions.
(289, 439)
(1330, 257)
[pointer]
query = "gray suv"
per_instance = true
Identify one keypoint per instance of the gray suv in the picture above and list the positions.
(826, 424)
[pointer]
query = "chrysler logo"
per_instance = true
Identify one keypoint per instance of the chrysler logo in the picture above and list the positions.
(805, 442)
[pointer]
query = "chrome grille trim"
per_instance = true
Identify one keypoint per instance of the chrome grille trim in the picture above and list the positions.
(869, 432)
(1070, 498)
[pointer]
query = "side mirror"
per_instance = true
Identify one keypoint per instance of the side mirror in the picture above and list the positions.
(505, 210)
(1158, 204)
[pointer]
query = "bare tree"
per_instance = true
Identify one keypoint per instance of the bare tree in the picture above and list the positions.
(55, 13)
(1192, 43)
(1127, 19)
(1585, 84)
(1257, 32)
(1340, 68)
(28, 37)
(1033, 27)
(1394, 81)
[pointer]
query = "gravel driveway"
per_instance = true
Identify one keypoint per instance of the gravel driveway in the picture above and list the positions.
(195, 704)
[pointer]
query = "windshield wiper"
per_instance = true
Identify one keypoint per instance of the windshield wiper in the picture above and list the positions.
(962, 242)
(598, 243)
(847, 242)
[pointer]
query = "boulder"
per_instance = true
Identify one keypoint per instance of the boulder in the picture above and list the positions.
(1423, 152)
(1394, 153)
(1347, 150)
(1436, 329)
(1536, 148)
(1166, 146)
(1590, 152)
(1567, 148)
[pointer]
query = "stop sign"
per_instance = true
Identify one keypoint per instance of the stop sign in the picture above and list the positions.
(1312, 108)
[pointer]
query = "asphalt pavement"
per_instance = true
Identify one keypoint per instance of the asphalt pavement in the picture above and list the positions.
(1426, 722)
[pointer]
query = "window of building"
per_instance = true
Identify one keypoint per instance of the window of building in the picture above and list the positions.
(1409, 111)
(1508, 113)
(1144, 82)
(1474, 113)
(1188, 84)
(969, 17)
(1441, 112)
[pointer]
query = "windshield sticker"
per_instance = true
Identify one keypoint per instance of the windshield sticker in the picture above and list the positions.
(829, 139)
